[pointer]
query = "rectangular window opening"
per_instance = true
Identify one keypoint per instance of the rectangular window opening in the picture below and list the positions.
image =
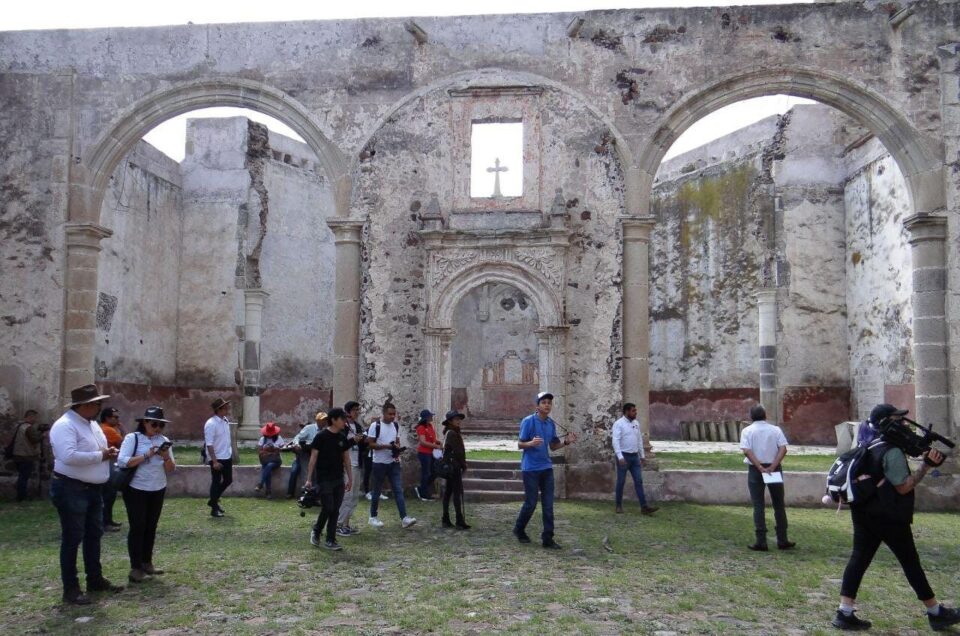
(496, 160)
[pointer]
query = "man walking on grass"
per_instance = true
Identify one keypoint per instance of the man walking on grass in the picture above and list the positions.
(628, 447)
(538, 436)
(383, 439)
(330, 457)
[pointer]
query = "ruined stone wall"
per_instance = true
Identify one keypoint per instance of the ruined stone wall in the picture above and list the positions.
(879, 308)
(409, 158)
(139, 276)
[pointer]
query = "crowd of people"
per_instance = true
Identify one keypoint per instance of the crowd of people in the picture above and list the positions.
(338, 458)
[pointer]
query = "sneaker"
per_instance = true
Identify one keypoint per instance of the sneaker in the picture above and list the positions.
(758, 547)
(149, 569)
(259, 487)
(521, 536)
(353, 530)
(786, 545)
(383, 497)
(343, 532)
(332, 545)
(216, 512)
(408, 521)
(463, 525)
(314, 538)
(648, 510)
(102, 585)
(74, 596)
(416, 491)
(851, 622)
(948, 616)
(552, 545)
(136, 576)
(111, 527)
(369, 496)
(376, 523)
(619, 510)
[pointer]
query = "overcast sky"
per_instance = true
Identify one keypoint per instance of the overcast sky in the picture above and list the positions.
(169, 136)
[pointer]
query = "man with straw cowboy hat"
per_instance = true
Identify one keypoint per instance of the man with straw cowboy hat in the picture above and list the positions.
(81, 467)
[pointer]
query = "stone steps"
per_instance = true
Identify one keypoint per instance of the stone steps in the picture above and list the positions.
(481, 426)
(493, 481)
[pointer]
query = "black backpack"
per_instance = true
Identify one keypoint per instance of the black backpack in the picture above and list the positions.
(8, 449)
(855, 476)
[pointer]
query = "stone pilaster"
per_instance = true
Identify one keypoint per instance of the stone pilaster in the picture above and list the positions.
(932, 370)
(636, 317)
(80, 314)
(346, 340)
(253, 300)
(551, 345)
(767, 339)
(436, 366)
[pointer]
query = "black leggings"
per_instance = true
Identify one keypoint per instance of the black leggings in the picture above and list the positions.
(868, 533)
(454, 489)
(331, 496)
(143, 514)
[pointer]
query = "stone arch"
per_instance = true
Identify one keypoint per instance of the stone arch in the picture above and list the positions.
(531, 283)
(551, 336)
(493, 76)
(919, 158)
(104, 155)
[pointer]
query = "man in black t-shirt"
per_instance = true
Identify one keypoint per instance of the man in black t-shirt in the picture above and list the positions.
(330, 458)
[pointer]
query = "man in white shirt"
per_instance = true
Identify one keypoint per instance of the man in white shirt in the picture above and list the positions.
(628, 447)
(764, 446)
(384, 440)
(80, 468)
(216, 439)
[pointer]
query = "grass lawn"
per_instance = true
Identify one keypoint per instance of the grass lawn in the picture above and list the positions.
(684, 570)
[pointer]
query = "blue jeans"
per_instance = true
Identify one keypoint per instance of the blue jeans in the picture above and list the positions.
(632, 464)
(266, 474)
(80, 506)
(537, 483)
(427, 476)
(294, 479)
(391, 471)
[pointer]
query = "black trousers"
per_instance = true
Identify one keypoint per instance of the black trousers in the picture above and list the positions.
(143, 515)
(109, 497)
(331, 496)
(868, 533)
(756, 486)
(221, 479)
(454, 489)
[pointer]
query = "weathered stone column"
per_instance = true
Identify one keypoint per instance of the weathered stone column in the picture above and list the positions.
(80, 315)
(551, 345)
(436, 365)
(927, 238)
(767, 328)
(346, 329)
(252, 321)
(636, 317)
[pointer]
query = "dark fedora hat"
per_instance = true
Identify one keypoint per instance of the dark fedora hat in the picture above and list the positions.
(219, 403)
(85, 395)
(154, 413)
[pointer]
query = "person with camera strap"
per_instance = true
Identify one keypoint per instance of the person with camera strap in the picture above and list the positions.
(886, 517)
(384, 440)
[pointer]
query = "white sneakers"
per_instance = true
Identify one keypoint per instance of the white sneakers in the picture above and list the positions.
(406, 523)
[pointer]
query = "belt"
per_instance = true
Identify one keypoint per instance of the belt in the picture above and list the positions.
(85, 484)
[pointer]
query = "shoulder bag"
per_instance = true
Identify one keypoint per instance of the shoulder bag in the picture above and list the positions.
(121, 478)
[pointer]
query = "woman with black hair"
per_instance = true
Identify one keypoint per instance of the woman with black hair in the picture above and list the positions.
(454, 450)
(147, 450)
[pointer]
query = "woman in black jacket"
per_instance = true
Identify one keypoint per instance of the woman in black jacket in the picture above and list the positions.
(454, 450)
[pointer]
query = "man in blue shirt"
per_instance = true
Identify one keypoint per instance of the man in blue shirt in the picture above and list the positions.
(537, 432)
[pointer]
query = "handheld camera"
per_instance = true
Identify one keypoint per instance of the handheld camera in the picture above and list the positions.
(899, 434)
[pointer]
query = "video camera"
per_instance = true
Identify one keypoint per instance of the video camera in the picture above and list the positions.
(896, 432)
(309, 498)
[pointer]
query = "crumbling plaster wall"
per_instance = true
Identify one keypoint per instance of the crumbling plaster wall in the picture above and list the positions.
(62, 90)
(879, 285)
(139, 275)
(406, 160)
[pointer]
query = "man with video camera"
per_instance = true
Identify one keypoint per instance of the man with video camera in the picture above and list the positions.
(886, 516)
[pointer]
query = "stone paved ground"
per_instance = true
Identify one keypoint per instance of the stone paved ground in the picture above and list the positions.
(683, 571)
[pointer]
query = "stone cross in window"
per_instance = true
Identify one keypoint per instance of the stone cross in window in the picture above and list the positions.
(496, 170)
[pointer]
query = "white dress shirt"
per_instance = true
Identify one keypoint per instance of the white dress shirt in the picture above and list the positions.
(150, 474)
(764, 439)
(78, 446)
(627, 437)
(216, 433)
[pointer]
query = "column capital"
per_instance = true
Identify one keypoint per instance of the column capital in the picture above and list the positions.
(86, 234)
(255, 296)
(766, 295)
(636, 228)
(345, 230)
(925, 227)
